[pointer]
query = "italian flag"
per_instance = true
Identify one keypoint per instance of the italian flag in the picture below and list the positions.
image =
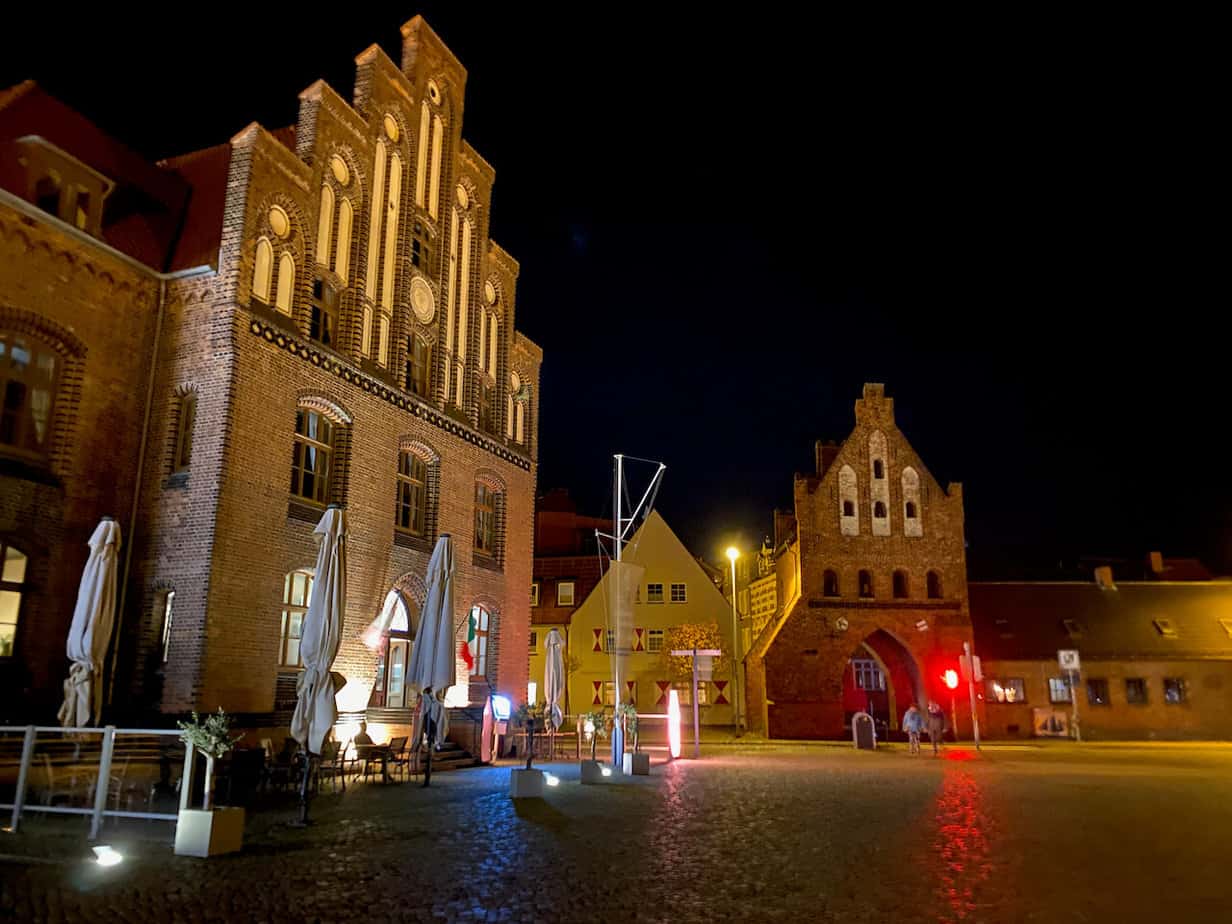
(466, 649)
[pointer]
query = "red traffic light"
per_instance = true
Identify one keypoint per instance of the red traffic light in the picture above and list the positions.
(951, 679)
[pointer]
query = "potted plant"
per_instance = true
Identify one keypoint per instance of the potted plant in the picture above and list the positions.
(595, 725)
(636, 763)
(207, 831)
(527, 783)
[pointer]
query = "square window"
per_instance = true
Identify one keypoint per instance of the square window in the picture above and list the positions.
(534, 593)
(679, 594)
(609, 693)
(564, 593)
(1097, 691)
(1007, 690)
(1174, 691)
(654, 639)
(1058, 690)
(654, 593)
(534, 640)
(1135, 690)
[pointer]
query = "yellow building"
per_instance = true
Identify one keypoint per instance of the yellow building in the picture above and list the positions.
(674, 591)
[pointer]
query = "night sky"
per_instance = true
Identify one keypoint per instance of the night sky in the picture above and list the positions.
(727, 224)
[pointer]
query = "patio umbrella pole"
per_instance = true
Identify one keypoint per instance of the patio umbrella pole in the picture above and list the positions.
(304, 797)
(428, 760)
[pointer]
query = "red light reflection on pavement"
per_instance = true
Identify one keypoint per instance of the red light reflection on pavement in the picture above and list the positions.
(961, 845)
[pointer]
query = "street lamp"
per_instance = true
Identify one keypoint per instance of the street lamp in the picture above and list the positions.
(732, 554)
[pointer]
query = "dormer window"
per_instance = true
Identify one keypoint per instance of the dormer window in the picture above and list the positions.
(61, 185)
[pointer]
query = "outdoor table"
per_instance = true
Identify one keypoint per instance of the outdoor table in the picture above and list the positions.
(381, 752)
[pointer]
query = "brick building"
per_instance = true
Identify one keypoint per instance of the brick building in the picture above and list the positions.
(873, 588)
(236, 338)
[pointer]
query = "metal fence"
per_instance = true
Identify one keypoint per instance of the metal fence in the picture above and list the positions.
(76, 754)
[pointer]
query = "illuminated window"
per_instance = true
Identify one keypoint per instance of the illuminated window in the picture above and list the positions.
(534, 640)
(485, 520)
(286, 283)
(934, 585)
(654, 593)
(829, 584)
(679, 593)
(684, 692)
(185, 420)
(1174, 691)
(1007, 690)
(167, 602)
(480, 618)
(263, 271)
(297, 589)
(418, 365)
(1135, 691)
(323, 323)
(654, 640)
(609, 693)
(29, 381)
(866, 583)
(564, 593)
(12, 582)
(412, 493)
(310, 460)
(1059, 690)
(1097, 691)
(534, 593)
(900, 584)
(868, 675)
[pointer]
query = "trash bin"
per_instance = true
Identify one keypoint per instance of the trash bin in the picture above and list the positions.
(863, 734)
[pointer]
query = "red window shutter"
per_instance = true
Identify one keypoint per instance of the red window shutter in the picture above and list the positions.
(719, 686)
(598, 645)
(598, 685)
(665, 687)
(632, 687)
(637, 639)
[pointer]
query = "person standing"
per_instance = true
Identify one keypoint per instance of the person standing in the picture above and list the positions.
(936, 725)
(913, 724)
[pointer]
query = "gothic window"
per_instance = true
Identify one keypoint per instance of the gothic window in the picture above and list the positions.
(286, 283)
(879, 510)
(829, 584)
(263, 271)
(849, 511)
(934, 585)
(849, 508)
(457, 299)
(412, 493)
(909, 510)
(325, 225)
(323, 322)
(313, 452)
(29, 381)
(866, 583)
(421, 253)
(485, 520)
(878, 469)
(900, 585)
(184, 423)
(418, 365)
(879, 487)
(912, 524)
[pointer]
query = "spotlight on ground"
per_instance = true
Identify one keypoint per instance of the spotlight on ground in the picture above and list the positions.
(551, 780)
(607, 771)
(107, 856)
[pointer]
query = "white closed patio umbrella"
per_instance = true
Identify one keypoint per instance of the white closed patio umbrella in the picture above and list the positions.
(554, 677)
(90, 632)
(433, 670)
(315, 708)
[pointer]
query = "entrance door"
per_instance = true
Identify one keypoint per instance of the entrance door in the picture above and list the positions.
(395, 697)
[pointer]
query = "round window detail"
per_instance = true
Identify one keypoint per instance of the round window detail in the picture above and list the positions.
(489, 292)
(391, 127)
(464, 199)
(515, 383)
(422, 302)
(280, 224)
(434, 92)
(339, 169)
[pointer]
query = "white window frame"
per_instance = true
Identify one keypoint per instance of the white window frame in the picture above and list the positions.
(653, 596)
(684, 592)
(561, 595)
(653, 636)
(534, 593)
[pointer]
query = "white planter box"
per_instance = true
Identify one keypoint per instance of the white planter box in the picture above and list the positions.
(199, 833)
(526, 784)
(637, 764)
(592, 771)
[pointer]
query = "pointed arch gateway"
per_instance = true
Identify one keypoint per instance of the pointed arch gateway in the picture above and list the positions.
(881, 677)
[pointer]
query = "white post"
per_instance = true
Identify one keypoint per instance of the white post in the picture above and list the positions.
(618, 742)
(975, 719)
(23, 774)
(102, 786)
(186, 778)
(697, 735)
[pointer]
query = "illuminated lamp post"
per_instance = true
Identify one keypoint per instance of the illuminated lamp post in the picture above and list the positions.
(732, 554)
(951, 681)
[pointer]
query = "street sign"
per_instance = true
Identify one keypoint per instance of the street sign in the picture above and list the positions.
(705, 667)
(964, 664)
(1067, 658)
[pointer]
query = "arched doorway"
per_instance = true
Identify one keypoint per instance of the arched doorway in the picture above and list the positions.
(882, 678)
(396, 625)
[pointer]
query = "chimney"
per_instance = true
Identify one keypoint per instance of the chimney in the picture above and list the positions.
(1103, 578)
(1156, 562)
(825, 454)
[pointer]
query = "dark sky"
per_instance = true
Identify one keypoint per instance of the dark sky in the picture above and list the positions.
(727, 224)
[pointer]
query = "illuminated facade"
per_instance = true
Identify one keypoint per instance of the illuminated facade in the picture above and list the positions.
(310, 315)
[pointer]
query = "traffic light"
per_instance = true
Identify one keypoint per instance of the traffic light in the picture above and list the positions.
(951, 679)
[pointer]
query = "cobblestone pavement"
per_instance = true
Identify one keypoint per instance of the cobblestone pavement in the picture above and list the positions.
(776, 833)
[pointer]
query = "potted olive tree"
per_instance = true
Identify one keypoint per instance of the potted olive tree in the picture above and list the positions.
(207, 831)
(595, 725)
(635, 763)
(527, 783)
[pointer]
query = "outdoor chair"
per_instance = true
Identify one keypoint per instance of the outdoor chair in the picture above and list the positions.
(332, 766)
(398, 756)
(282, 770)
(115, 786)
(59, 784)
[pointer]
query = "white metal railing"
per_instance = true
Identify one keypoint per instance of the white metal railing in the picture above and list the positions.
(102, 784)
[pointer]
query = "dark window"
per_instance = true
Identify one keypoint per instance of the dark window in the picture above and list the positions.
(910, 510)
(1174, 691)
(29, 379)
(487, 407)
(314, 445)
(934, 585)
(1097, 691)
(900, 584)
(412, 493)
(485, 519)
(184, 431)
(866, 583)
(418, 365)
(323, 325)
(829, 584)
(47, 195)
(654, 593)
(849, 508)
(878, 469)
(420, 254)
(81, 211)
(879, 510)
(1135, 691)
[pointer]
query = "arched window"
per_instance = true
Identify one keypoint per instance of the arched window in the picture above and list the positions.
(934, 585)
(342, 256)
(325, 225)
(263, 271)
(481, 622)
(421, 162)
(438, 143)
(312, 457)
(829, 584)
(519, 422)
(418, 365)
(323, 321)
(412, 504)
(879, 487)
(399, 614)
(29, 383)
(393, 204)
(296, 591)
(186, 419)
(910, 510)
(286, 283)
(849, 510)
(866, 583)
(900, 585)
(382, 339)
(913, 525)
(12, 583)
(485, 520)
(879, 510)
(374, 224)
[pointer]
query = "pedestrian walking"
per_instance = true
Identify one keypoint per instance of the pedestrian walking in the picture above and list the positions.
(936, 725)
(913, 724)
